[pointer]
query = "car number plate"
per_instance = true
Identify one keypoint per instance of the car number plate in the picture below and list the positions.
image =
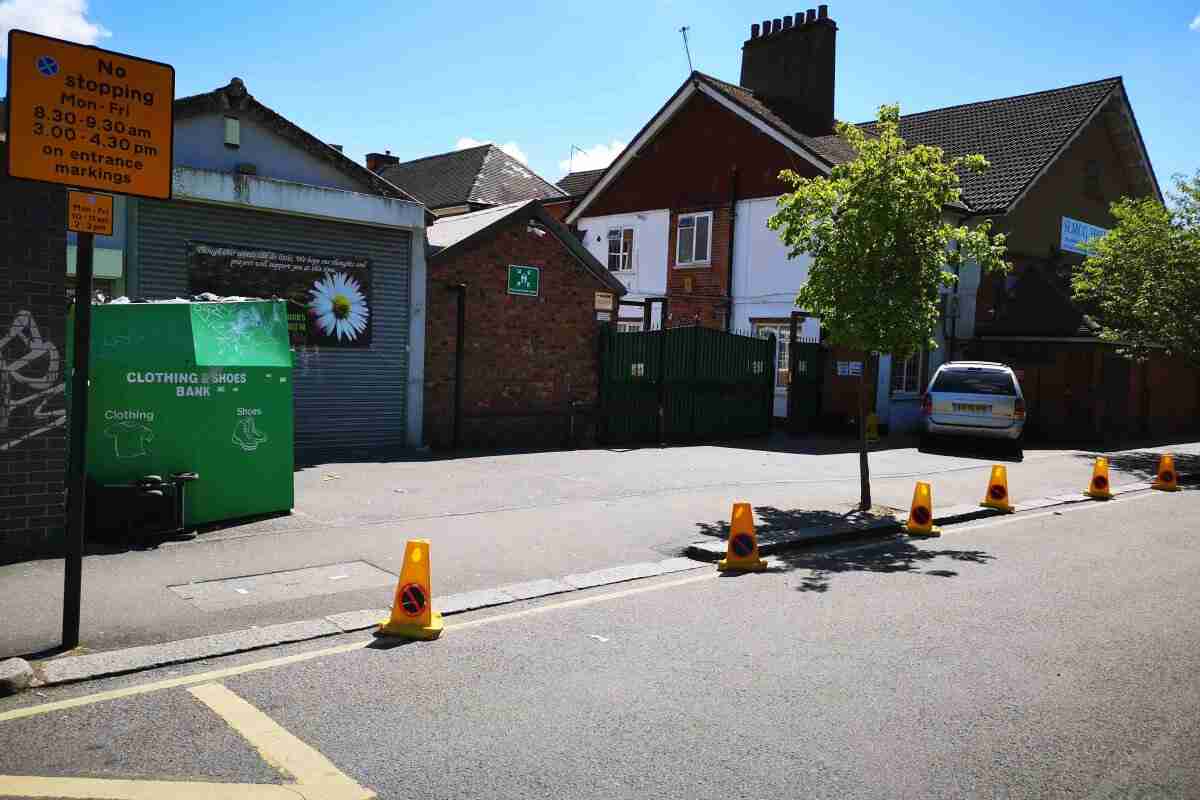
(973, 408)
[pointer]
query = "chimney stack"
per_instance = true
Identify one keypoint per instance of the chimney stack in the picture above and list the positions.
(790, 65)
(380, 161)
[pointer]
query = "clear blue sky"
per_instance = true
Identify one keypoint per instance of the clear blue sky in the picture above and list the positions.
(417, 77)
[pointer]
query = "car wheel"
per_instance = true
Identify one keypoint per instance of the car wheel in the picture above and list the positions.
(1018, 450)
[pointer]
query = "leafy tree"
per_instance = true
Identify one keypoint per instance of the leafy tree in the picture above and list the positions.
(880, 246)
(1141, 280)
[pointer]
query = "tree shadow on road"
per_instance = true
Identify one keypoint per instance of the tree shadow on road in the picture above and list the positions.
(1144, 463)
(898, 555)
(770, 520)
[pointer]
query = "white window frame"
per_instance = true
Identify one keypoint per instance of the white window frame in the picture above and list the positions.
(783, 335)
(911, 371)
(625, 256)
(679, 233)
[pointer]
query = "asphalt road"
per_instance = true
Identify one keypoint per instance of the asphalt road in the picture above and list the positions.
(495, 520)
(1051, 654)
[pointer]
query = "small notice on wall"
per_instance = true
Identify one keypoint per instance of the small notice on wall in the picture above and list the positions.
(1078, 237)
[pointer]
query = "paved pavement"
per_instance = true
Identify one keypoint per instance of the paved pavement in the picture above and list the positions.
(1047, 655)
(493, 520)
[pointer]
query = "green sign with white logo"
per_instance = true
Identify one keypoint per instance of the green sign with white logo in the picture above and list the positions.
(525, 281)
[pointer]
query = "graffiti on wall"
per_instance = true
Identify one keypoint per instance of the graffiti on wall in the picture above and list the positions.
(31, 383)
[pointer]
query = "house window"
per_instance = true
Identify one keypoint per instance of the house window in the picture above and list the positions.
(692, 239)
(620, 249)
(783, 335)
(906, 373)
(629, 327)
(233, 132)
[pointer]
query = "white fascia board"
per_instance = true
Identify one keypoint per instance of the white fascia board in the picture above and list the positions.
(295, 199)
(656, 124)
(769, 130)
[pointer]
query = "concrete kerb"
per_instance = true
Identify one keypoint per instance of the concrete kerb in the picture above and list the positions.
(71, 669)
(775, 541)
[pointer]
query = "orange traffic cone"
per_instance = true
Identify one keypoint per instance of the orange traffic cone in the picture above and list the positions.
(997, 491)
(920, 516)
(1167, 479)
(1099, 488)
(413, 616)
(741, 554)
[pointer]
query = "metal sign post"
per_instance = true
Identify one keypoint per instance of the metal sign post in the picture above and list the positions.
(77, 464)
(86, 118)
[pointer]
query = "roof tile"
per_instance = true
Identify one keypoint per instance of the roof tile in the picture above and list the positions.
(483, 175)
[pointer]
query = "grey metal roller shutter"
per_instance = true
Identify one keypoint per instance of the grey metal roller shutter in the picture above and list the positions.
(349, 403)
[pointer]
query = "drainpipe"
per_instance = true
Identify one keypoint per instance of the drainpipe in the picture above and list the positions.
(733, 182)
(459, 350)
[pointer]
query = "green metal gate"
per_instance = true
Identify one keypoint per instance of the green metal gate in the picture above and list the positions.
(684, 385)
(805, 372)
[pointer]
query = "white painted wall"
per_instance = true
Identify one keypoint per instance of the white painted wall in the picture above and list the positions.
(299, 199)
(650, 236)
(765, 280)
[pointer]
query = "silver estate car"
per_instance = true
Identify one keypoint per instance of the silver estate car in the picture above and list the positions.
(973, 398)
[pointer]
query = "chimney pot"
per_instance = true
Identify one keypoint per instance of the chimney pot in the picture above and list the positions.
(796, 69)
(754, 31)
(822, 12)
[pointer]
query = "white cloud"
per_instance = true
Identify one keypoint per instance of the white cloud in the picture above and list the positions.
(596, 157)
(1195, 26)
(512, 148)
(64, 19)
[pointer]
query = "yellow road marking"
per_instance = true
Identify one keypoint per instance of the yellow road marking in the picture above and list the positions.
(271, 663)
(277, 747)
(316, 778)
(108, 789)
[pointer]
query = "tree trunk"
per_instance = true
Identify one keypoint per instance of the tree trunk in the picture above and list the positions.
(864, 469)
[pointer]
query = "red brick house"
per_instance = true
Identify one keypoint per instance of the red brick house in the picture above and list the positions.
(682, 211)
(530, 335)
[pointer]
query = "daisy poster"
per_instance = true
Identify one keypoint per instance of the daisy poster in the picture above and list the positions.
(329, 297)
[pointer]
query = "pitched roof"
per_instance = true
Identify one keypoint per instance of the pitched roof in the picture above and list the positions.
(1019, 136)
(483, 175)
(576, 184)
(235, 97)
(830, 149)
(1038, 304)
(448, 233)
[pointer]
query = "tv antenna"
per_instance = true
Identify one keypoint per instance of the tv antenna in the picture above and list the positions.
(571, 159)
(686, 49)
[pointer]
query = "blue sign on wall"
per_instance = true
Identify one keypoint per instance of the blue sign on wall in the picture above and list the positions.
(1076, 235)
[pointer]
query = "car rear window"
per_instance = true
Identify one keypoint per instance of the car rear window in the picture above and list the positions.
(974, 381)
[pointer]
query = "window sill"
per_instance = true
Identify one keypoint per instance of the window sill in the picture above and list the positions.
(905, 395)
(694, 265)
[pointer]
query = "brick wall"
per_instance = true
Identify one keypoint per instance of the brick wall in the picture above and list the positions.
(32, 367)
(700, 294)
(526, 358)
